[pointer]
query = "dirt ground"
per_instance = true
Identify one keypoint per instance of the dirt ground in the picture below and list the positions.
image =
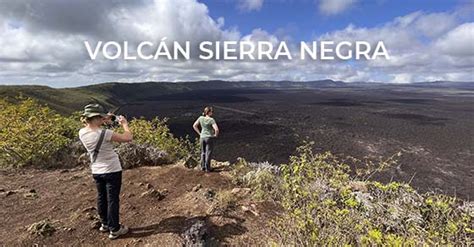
(67, 199)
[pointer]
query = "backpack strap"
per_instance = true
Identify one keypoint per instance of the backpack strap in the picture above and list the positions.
(97, 146)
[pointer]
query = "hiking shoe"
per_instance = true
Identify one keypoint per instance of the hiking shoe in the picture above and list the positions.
(122, 231)
(104, 228)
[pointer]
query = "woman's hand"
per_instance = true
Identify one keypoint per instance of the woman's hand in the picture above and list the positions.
(122, 120)
(126, 136)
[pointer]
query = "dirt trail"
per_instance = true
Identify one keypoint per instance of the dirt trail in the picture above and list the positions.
(67, 199)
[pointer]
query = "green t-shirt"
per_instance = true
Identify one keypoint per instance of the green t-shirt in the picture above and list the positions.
(206, 126)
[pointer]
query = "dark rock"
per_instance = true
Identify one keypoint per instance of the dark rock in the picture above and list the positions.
(190, 162)
(196, 235)
(10, 192)
(153, 194)
(209, 194)
(149, 186)
(135, 155)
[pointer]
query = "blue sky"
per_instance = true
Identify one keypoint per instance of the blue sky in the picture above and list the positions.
(43, 41)
(302, 20)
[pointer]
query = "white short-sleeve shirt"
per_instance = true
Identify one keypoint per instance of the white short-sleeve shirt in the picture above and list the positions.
(107, 160)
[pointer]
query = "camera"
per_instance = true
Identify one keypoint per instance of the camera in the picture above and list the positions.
(114, 119)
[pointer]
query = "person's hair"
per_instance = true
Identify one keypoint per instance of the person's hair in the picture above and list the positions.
(207, 110)
(86, 120)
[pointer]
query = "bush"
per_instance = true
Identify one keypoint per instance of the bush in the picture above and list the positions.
(323, 205)
(133, 155)
(157, 134)
(260, 177)
(31, 133)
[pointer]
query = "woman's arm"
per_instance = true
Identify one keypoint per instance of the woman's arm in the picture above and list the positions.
(195, 127)
(216, 129)
(126, 136)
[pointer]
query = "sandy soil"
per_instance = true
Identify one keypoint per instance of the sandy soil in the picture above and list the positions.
(67, 199)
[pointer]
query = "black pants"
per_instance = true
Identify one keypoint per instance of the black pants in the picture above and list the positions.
(207, 145)
(108, 198)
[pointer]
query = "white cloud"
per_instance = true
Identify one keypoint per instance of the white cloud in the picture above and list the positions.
(432, 25)
(458, 42)
(402, 78)
(334, 7)
(418, 53)
(250, 5)
(42, 43)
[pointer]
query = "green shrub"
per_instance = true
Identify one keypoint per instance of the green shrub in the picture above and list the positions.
(30, 133)
(260, 177)
(323, 205)
(157, 134)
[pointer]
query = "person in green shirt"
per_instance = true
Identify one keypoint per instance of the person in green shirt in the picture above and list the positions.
(208, 132)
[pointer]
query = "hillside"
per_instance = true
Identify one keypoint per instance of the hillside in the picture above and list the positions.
(315, 199)
(66, 198)
(428, 121)
(112, 95)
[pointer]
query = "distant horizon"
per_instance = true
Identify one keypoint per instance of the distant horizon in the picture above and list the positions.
(224, 81)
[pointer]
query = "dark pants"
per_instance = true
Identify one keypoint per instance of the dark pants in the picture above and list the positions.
(108, 198)
(207, 145)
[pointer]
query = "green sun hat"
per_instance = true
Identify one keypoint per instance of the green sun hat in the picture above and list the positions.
(93, 110)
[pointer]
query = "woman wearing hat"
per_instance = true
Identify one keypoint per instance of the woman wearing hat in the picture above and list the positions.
(105, 165)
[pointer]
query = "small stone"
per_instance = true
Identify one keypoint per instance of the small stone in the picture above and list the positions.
(209, 194)
(89, 209)
(252, 209)
(235, 190)
(196, 235)
(68, 229)
(2, 190)
(64, 171)
(197, 187)
(190, 162)
(240, 191)
(95, 224)
(153, 194)
(149, 186)
(32, 191)
(10, 192)
(91, 216)
(30, 195)
(43, 228)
